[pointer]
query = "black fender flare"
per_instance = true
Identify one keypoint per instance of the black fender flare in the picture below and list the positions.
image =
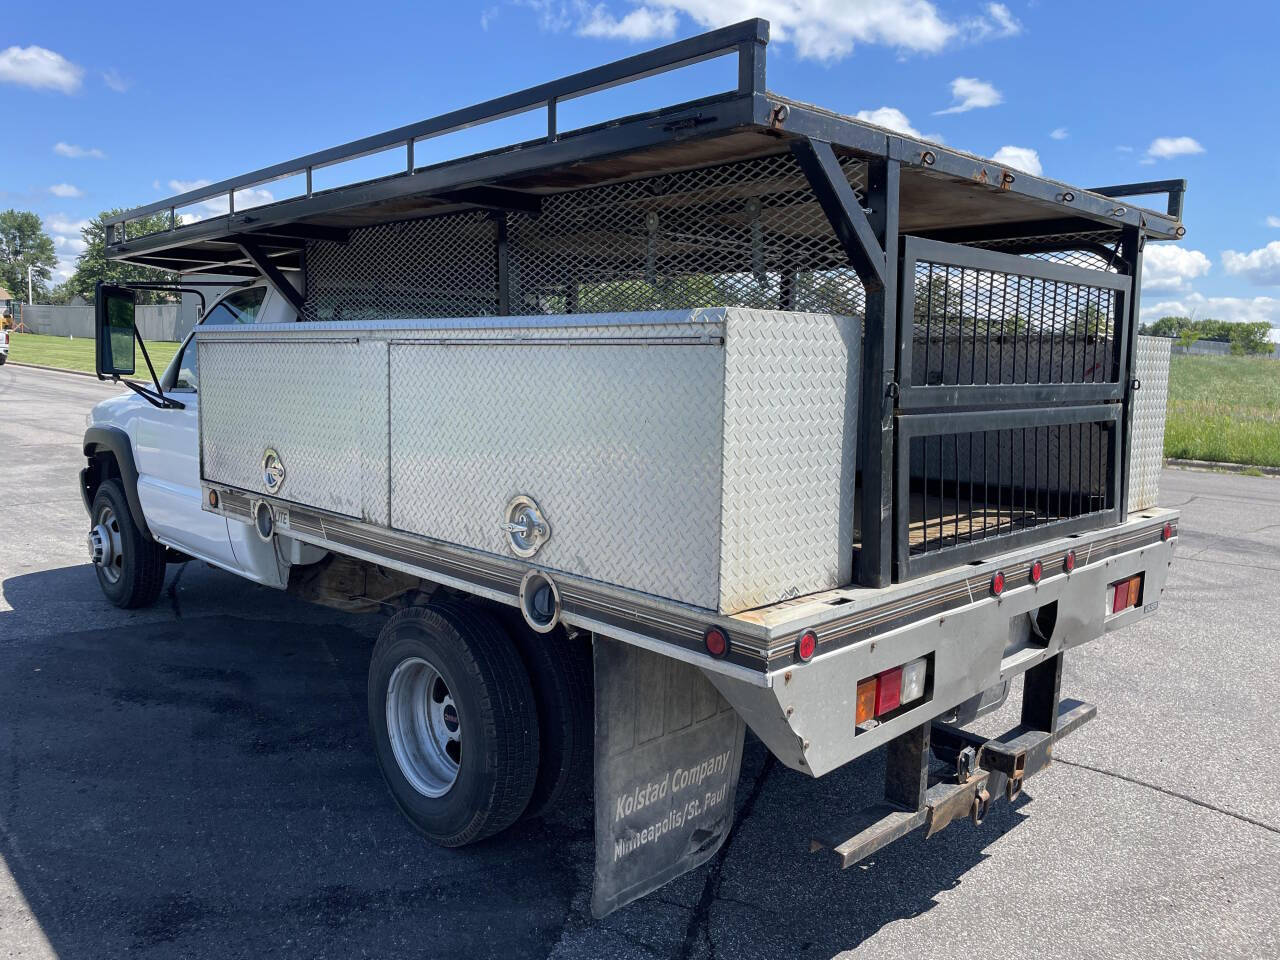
(115, 441)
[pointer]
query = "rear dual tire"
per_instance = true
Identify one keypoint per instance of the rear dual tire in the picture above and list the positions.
(447, 684)
(477, 721)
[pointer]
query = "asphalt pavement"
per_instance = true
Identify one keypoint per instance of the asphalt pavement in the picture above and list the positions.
(195, 779)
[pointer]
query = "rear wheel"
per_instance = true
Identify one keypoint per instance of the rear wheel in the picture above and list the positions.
(129, 564)
(560, 669)
(454, 725)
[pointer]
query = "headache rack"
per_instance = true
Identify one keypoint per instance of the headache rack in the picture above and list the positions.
(998, 308)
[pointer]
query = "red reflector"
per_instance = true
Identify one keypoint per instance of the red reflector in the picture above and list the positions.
(1069, 561)
(888, 690)
(1037, 571)
(806, 645)
(997, 583)
(1167, 532)
(1120, 597)
(717, 643)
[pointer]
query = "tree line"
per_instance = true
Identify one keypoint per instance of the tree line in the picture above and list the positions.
(24, 244)
(1245, 338)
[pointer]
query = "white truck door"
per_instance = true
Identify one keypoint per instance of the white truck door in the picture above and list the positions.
(167, 446)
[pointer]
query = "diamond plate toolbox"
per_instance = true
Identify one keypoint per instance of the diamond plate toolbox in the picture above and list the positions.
(1150, 404)
(704, 456)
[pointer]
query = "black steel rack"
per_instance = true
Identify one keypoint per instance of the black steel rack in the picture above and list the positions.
(985, 229)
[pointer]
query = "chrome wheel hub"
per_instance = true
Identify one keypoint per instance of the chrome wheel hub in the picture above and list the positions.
(104, 545)
(424, 727)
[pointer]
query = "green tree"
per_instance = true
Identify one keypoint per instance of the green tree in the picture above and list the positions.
(23, 244)
(1250, 337)
(92, 265)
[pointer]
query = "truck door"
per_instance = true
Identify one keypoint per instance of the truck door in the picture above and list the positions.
(167, 446)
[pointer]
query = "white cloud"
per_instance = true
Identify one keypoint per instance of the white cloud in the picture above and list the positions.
(1170, 269)
(39, 69)
(639, 24)
(891, 118)
(216, 206)
(66, 190)
(1261, 266)
(487, 16)
(823, 30)
(1124, 149)
(1273, 221)
(1020, 158)
(1059, 133)
(76, 152)
(67, 242)
(1231, 309)
(1162, 148)
(115, 80)
(997, 24)
(971, 93)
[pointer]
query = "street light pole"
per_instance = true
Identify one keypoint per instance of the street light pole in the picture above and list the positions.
(29, 300)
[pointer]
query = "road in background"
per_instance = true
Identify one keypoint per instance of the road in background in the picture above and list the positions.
(196, 780)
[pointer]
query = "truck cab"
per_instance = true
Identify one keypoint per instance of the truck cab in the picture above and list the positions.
(153, 453)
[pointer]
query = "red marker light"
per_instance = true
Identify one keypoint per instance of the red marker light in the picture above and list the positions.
(806, 645)
(997, 583)
(1167, 532)
(716, 641)
(1069, 561)
(1037, 571)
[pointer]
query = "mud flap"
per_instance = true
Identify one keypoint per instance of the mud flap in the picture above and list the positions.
(668, 751)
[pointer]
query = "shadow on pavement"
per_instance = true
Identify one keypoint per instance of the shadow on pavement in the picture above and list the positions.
(205, 786)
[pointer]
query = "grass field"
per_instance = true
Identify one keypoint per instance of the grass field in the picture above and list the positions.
(77, 354)
(1225, 409)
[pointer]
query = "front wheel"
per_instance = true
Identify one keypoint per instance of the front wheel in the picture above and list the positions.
(129, 564)
(454, 726)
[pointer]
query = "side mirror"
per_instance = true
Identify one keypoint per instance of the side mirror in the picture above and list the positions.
(116, 334)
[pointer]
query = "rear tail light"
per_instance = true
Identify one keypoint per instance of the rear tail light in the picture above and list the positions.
(1167, 532)
(997, 583)
(806, 645)
(1037, 571)
(866, 709)
(1124, 594)
(891, 689)
(1069, 561)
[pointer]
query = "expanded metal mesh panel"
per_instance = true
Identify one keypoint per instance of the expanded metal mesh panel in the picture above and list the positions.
(1097, 250)
(442, 267)
(745, 234)
(971, 487)
(974, 326)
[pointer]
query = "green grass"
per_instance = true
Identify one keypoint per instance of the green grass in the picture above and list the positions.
(77, 354)
(1225, 409)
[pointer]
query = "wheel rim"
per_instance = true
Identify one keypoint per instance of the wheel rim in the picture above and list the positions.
(105, 544)
(424, 727)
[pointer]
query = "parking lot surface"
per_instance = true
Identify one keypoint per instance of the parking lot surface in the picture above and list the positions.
(195, 780)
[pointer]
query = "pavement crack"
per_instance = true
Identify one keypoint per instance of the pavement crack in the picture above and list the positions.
(1243, 818)
(173, 590)
(698, 922)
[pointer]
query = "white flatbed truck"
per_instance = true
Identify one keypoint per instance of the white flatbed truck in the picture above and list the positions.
(735, 413)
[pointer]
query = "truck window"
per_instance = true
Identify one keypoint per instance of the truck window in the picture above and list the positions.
(240, 307)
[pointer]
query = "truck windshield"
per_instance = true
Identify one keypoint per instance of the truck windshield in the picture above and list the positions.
(240, 307)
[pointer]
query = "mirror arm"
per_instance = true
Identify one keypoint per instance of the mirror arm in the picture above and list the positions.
(155, 397)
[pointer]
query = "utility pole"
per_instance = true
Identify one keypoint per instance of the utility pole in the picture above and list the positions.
(29, 300)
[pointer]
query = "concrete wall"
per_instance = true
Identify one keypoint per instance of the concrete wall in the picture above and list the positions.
(162, 321)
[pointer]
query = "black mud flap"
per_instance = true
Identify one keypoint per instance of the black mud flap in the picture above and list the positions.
(668, 754)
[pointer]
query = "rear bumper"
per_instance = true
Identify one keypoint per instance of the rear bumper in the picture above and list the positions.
(980, 772)
(972, 640)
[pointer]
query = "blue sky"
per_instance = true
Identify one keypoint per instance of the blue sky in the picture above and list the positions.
(120, 104)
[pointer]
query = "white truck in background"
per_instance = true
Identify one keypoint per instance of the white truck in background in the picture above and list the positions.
(734, 413)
